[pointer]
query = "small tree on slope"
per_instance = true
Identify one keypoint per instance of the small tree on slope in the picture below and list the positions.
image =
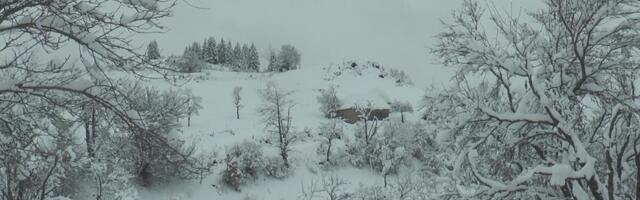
(329, 102)
(236, 100)
(276, 113)
(330, 131)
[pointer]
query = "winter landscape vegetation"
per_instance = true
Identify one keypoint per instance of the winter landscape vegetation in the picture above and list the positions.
(337, 100)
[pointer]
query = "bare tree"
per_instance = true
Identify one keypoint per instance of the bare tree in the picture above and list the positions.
(236, 100)
(41, 104)
(193, 105)
(276, 111)
(369, 123)
(329, 102)
(330, 131)
(309, 191)
(551, 117)
(402, 107)
(334, 187)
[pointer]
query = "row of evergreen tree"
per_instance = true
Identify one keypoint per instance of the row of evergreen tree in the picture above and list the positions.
(241, 57)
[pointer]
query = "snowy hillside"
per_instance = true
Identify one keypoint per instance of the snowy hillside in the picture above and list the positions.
(541, 101)
(216, 128)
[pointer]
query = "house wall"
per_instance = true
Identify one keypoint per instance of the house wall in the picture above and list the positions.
(350, 115)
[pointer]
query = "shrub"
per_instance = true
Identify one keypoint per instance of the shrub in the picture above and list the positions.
(275, 167)
(186, 64)
(400, 77)
(329, 102)
(386, 151)
(243, 164)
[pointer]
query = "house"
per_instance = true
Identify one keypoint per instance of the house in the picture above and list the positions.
(351, 115)
(375, 100)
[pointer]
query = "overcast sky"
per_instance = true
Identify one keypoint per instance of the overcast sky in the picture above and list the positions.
(396, 33)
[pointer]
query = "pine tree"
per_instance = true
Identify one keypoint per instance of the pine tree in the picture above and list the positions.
(229, 53)
(254, 59)
(152, 50)
(204, 54)
(192, 51)
(222, 52)
(273, 61)
(244, 57)
(237, 58)
(213, 51)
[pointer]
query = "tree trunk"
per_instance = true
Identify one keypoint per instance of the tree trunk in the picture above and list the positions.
(402, 117)
(237, 112)
(366, 131)
(88, 139)
(610, 184)
(329, 152)
(385, 179)
(595, 188)
(285, 156)
(637, 159)
(90, 132)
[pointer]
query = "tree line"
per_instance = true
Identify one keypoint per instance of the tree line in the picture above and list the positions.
(240, 57)
(243, 57)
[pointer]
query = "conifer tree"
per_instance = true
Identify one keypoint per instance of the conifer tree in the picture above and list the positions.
(152, 50)
(254, 59)
(273, 61)
(193, 51)
(222, 52)
(204, 53)
(237, 58)
(229, 53)
(213, 51)
(244, 55)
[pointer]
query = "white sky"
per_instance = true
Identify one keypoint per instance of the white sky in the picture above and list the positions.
(396, 33)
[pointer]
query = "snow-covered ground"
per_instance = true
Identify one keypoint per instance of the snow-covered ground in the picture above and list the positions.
(216, 128)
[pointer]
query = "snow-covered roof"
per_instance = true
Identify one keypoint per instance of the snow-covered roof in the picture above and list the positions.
(377, 97)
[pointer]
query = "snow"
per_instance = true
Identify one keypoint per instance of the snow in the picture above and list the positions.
(515, 117)
(7, 83)
(147, 4)
(126, 19)
(215, 128)
(559, 173)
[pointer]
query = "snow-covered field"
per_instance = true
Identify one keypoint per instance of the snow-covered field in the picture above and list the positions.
(216, 128)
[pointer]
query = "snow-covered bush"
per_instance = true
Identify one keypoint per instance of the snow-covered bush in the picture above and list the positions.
(244, 161)
(409, 185)
(102, 179)
(276, 168)
(401, 107)
(158, 152)
(329, 102)
(386, 152)
(400, 77)
(329, 131)
(24, 174)
(186, 64)
(358, 68)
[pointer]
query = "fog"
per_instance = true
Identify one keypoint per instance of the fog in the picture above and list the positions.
(397, 34)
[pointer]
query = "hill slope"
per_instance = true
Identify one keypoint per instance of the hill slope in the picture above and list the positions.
(216, 128)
